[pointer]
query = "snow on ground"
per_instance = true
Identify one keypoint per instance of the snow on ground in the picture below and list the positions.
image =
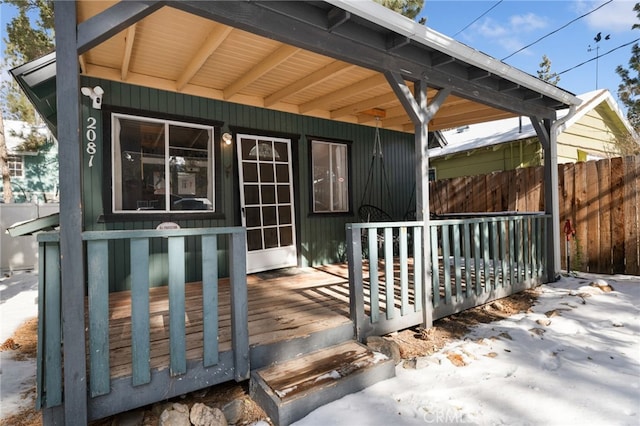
(18, 303)
(578, 366)
(574, 360)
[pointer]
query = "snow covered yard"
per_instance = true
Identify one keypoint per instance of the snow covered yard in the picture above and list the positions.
(573, 360)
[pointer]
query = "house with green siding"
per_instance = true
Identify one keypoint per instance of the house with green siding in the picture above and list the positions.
(511, 143)
(33, 171)
(214, 159)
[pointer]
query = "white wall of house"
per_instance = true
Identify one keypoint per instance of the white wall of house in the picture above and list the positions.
(20, 253)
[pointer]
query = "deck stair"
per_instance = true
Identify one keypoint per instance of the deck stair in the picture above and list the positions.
(290, 390)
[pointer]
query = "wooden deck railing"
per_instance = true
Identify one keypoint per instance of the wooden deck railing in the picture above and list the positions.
(473, 261)
(97, 245)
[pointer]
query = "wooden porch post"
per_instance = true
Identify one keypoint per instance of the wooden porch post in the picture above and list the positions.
(71, 253)
(422, 196)
(420, 113)
(548, 139)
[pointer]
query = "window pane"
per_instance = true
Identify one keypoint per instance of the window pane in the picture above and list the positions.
(284, 195)
(270, 237)
(268, 194)
(269, 216)
(266, 172)
(321, 189)
(284, 215)
(251, 194)
(254, 239)
(286, 236)
(330, 177)
(142, 147)
(253, 216)
(141, 161)
(281, 152)
(340, 178)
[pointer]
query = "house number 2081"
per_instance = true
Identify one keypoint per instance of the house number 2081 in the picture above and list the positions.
(91, 139)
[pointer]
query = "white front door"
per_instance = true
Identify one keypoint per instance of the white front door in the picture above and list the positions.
(266, 201)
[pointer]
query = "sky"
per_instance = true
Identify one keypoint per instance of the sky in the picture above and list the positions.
(501, 28)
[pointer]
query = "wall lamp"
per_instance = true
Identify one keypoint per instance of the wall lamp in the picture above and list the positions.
(227, 138)
(95, 94)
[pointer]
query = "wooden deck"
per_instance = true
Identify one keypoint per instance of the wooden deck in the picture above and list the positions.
(282, 306)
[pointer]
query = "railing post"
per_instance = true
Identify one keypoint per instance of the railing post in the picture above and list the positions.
(239, 304)
(356, 290)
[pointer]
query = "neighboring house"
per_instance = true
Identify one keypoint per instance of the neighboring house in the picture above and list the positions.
(250, 126)
(512, 143)
(34, 174)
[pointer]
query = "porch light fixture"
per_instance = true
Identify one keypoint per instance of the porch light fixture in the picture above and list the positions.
(95, 94)
(227, 138)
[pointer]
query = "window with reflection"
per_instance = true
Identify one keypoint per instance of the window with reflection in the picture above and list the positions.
(330, 169)
(161, 165)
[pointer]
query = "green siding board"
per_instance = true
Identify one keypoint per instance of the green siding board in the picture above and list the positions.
(321, 238)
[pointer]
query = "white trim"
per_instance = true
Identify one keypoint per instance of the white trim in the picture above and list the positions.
(116, 162)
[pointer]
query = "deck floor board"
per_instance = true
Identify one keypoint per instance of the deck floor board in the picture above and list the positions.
(280, 307)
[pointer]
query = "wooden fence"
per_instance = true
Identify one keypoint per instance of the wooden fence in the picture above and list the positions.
(600, 198)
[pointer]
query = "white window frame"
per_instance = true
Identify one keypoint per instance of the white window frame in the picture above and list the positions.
(331, 208)
(13, 161)
(116, 163)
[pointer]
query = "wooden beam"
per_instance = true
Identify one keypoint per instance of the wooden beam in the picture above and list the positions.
(71, 246)
(402, 91)
(324, 101)
(329, 71)
(211, 43)
(421, 147)
(361, 106)
(128, 47)
(110, 22)
(281, 54)
(361, 45)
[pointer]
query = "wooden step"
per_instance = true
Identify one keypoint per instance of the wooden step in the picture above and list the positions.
(290, 390)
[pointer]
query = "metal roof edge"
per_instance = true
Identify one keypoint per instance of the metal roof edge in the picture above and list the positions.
(380, 15)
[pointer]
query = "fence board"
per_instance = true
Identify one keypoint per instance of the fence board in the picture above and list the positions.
(593, 222)
(617, 215)
(631, 215)
(604, 210)
(600, 198)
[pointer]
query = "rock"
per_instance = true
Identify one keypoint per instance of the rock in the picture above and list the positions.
(497, 305)
(235, 410)
(417, 363)
(203, 415)
(175, 415)
(602, 285)
(387, 347)
(552, 313)
(545, 322)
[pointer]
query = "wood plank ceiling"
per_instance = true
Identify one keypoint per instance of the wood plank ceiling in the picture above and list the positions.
(181, 52)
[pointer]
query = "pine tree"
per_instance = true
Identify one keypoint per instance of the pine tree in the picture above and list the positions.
(25, 42)
(545, 74)
(629, 94)
(408, 8)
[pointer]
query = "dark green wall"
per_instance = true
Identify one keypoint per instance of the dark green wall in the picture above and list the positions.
(320, 237)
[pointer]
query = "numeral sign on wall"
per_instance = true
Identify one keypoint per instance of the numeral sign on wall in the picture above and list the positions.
(91, 139)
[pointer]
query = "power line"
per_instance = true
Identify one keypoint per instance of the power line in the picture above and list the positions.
(599, 56)
(476, 20)
(555, 31)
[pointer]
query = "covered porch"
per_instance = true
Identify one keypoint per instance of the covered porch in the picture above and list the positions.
(153, 343)
(350, 66)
